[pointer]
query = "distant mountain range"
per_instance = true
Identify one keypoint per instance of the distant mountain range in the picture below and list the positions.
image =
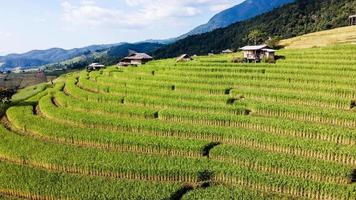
(241, 12)
(109, 53)
(42, 57)
(109, 56)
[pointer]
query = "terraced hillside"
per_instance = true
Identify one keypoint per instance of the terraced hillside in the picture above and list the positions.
(206, 129)
(323, 38)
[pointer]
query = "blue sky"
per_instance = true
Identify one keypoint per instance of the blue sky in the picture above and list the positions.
(41, 24)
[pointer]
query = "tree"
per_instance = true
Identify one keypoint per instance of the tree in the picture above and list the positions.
(255, 36)
(5, 95)
(273, 42)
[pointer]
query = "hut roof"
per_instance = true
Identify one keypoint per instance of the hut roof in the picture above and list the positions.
(139, 56)
(352, 16)
(96, 65)
(227, 51)
(184, 57)
(253, 48)
(269, 50)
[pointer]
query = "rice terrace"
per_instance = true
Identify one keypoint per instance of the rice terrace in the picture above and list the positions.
(207, 128)
(255, 124)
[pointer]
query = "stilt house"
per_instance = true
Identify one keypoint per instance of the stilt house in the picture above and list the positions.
(352, 20)
(135, 59)
(257, 53)
(184, 58)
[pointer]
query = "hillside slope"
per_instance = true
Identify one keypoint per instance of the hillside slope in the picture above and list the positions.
(322, 38)
(301, 17)
(241, 12)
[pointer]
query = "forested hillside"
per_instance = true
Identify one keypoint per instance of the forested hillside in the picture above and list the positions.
(303, 16)
(238, 13)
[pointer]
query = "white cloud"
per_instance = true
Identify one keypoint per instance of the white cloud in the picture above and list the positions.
(39, 20)
(220, 7)
(138, 13)
(4, 35)
(87, 13)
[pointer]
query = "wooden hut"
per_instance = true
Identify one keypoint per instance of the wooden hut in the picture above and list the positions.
(269, 53)
(40, 74)
(95, 66)
(257, 53)
(184, 58)
(135, 59)
(352, 20)
(227, 51)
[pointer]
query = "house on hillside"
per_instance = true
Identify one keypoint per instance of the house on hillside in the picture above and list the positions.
(257, 53)
(184, 58)
(352, 20)
(135, 59)
(40, 77)
(227, 51)
(40, 74)
(95, 66)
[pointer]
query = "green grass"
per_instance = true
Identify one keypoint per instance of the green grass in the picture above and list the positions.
(206, 129)
(322, 38)
(28, 92)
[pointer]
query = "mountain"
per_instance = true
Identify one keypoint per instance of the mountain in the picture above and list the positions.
(78, 57)
(162, 41)
(241, 12)
(298, 18)
(41, 57)
(110, 56)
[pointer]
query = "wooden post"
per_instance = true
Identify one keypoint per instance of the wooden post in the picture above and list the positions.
(352, 20)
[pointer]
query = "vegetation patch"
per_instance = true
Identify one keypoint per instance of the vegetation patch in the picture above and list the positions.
(208, 147)
(178, 195)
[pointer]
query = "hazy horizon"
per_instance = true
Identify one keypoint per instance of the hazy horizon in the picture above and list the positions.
(37, 25)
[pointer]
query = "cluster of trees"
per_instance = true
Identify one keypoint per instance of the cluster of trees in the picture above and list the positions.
(257, 36)
(5, 98)
(6, 94)
(298, 18)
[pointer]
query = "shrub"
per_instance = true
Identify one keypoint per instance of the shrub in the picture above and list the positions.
(269, 60)
(273, 42)
(237, 60)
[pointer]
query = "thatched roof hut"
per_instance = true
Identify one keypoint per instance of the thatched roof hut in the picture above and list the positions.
(257, 52)
(227, 51)
(95, 66)
(184, 58)
(352, 20)
(135, 59)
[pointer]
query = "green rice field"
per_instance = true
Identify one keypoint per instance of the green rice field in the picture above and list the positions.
(204, 129)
